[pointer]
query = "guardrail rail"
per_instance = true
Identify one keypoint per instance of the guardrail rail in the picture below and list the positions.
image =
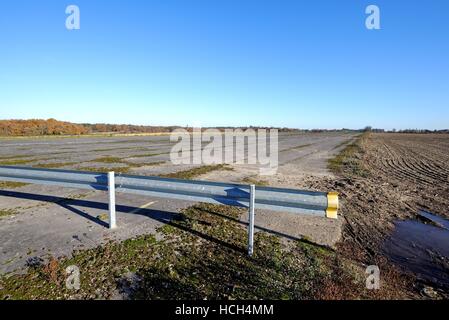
(249, 196)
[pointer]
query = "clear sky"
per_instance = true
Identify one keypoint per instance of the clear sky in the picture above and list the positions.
(306, 64)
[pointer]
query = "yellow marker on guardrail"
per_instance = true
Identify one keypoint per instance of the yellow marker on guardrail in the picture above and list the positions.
(332, 205)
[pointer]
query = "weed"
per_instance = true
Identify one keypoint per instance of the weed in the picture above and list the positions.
(103, 217)
(202, 256)
(192, 173)
(13, 162)
(297, 147)
(106, 169)
(54, 165)
(145, 155)
(107, 160)
(349, 159)
(7, 212)
(16, 157)
(11, 184)
(257, 182)
(139, 165)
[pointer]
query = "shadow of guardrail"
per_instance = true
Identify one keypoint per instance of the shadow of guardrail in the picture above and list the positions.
(158, 215)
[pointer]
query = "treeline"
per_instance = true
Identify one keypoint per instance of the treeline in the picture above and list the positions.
(37, 127)
(52, 127)
(125, 128)
(284, 129)
(419, 131)
(369, 129)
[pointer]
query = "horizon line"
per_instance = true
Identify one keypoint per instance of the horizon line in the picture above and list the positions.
(235, 126)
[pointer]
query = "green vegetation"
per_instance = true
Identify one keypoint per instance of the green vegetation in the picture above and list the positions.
(104, 150)
(257, 182)
(125, 169)
(103, 217)
(54, 165)
(14, 162)
(297, 147)
(192, 173)
(115, 160)
(115, 149)
(75, 197)
(106, 169)
(202, 256)
(11, 185)
(145, 155)
(7, 212)
(138, 165)
(349, 159)
(107, 160)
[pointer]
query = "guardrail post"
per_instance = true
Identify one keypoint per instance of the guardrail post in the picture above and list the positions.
(252, 198)
(111, 191)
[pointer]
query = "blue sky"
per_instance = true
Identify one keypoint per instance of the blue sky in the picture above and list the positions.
(306, 64)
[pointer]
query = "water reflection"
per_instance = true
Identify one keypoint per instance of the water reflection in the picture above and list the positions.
(423, 248)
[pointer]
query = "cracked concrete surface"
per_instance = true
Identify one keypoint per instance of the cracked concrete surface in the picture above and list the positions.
(54, 221)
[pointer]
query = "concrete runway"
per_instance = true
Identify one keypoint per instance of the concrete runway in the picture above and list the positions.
(55, 221)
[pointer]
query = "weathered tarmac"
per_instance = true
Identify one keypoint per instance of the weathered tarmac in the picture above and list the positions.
(54, 221)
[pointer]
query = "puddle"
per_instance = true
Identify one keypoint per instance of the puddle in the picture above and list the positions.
(422, 247)
(438, 221)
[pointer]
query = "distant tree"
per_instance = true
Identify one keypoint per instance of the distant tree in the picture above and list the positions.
(39, 127)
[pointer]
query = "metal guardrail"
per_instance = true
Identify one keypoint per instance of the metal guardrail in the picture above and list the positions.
(277, 199)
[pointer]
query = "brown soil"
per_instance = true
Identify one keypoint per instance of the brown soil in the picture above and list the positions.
(397, 174)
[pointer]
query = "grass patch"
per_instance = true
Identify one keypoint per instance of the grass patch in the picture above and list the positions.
(195, 172)
(11, 184)
(107, 160)
(75, 197)
(145, 155)
(125, 169)
(139, 165)
(297, 147)
(117, 149)
(257, 182)
(127, 141)
(129, 165)
(13, 162)
(104, 150)
(54, 165)
(7, 212)
(349, 160)
(202, 256)
(106, 169)
(103, 217)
